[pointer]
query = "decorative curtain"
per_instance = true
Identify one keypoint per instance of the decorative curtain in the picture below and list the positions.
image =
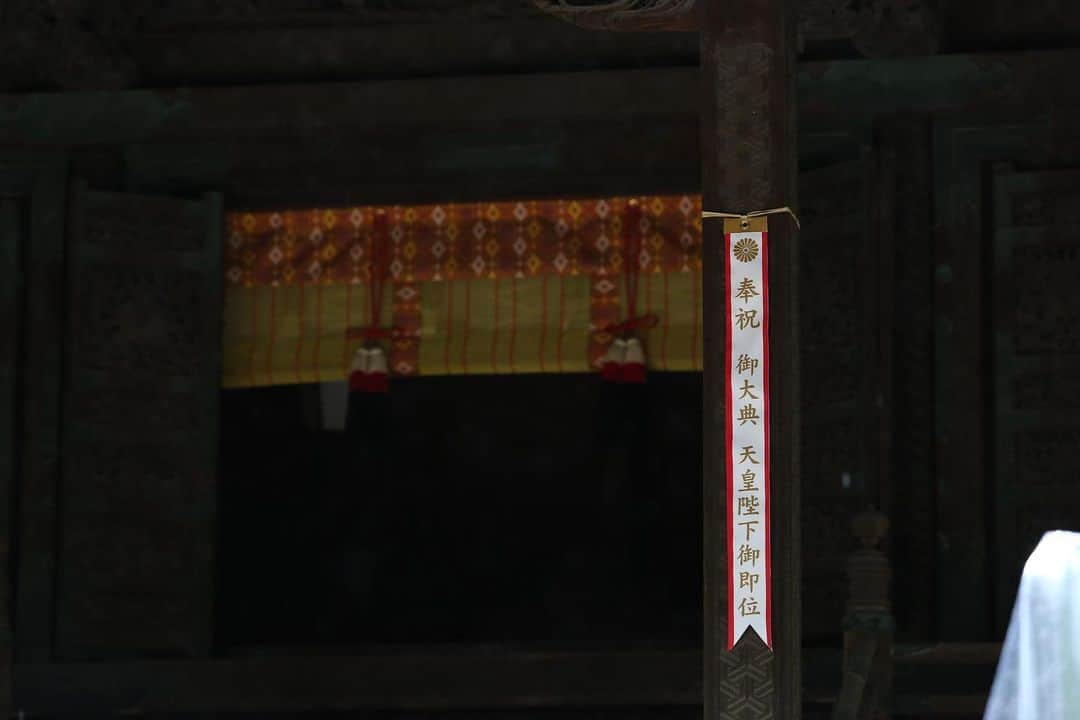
(474, 288)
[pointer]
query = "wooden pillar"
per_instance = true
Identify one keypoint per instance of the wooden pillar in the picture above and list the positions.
(10, 308)
(749, 163)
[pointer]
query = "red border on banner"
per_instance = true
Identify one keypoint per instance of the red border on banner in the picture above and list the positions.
(768, 451)
(728, 437)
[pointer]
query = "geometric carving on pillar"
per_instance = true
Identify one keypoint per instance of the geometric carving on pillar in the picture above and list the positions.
(742, 96)
(747, 683)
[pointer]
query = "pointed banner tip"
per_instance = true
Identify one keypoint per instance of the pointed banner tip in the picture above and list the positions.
(750, 630)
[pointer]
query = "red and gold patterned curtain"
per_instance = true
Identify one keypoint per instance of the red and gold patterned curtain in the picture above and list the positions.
(474, 288)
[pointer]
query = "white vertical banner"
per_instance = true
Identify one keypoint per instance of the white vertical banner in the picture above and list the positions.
(746, 361)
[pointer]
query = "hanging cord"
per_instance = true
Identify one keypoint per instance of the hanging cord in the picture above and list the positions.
(632, 275)
(379, 252)
(744, 218)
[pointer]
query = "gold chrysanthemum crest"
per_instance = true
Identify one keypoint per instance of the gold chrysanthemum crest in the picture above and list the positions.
(745, 250)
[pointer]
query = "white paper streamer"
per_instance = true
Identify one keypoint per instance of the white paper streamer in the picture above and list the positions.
(747, 366)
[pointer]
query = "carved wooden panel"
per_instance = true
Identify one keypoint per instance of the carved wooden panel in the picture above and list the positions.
(164, 408)
(965, 146)
(137, 316)
(877, 28)
(986, 24)
(1052, 509)
(1036, 322)
(837, 334)
(140, 427)
(112, 222)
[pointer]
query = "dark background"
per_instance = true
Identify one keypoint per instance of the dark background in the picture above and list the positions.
(161, 533)
(551, 512)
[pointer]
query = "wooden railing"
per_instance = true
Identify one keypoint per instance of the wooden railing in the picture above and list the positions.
(866, 685)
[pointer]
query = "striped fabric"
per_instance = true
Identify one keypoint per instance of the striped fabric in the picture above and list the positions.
(483, 288)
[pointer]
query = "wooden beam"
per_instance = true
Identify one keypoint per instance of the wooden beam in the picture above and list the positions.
(455, 46)
(433, 681)
(627, 15)
(588, 159)
(749, 163)
(949, 653)
(374, 109)
(965, 706)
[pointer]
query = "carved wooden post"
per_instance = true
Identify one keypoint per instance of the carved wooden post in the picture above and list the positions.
(749, 163)
(868, 621)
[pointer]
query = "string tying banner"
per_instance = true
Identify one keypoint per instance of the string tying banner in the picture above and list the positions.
(746, 391)
(370, 371)
(624, 361)
(632, 275)
(379, 249)
(744, 218)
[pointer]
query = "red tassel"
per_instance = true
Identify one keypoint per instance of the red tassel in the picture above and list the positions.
(378, 373)
(358, 371)
(633, 368)
(611, 365)
(625, 359)
(359, 382)
(369, 373)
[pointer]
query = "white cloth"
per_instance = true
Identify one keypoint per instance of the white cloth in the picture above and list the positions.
(1038, 674)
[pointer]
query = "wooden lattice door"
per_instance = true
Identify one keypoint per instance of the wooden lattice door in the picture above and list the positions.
(137, 493)
(1036, 366)
(839, 328)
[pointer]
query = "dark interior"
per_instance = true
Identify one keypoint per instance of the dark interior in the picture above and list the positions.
(551, 512)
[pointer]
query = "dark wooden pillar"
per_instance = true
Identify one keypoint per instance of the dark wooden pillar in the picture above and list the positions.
(749, 163)
(11, 243)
